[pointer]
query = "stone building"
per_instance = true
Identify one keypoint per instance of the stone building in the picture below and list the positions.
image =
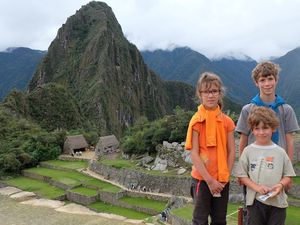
(107, 145)
(75, 144)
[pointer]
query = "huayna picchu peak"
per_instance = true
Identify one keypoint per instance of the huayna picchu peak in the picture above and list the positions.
(105, 73)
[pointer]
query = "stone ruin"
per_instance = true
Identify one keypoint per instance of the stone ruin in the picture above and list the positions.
(107, 145)
(169, 155)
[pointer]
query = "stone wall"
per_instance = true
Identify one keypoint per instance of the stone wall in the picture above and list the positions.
(110, 197)
(160, 184)
(49, 166)
(81, 199)
(2, 185)
(148, 196)
(36, 176)
(70, 158)
(114, 199)
(62, 185)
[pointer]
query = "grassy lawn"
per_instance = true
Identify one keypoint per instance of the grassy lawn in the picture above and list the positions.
(40, 188)
(296, 180)
(74, 178)
(119, 163)
(68, 178)
(84, 191)
(184, 212)
(104, 186)
(128, 213)
(292, 217)
(187, 212)
(68, 164)
(145, 203)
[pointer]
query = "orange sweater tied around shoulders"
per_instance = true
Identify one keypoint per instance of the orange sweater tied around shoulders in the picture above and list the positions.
(215, 136)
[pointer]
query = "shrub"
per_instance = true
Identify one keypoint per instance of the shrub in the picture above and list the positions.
(144, 135)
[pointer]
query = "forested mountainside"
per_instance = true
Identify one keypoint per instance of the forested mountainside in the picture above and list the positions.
(92, 81)
(103, 74)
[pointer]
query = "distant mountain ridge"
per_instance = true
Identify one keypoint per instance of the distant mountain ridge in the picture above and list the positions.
(182, 64)
(235, 73)
(90, 51)
(289, 86)
(17, 68)
(185, 64)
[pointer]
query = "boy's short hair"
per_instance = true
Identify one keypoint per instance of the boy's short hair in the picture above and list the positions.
(262, 114)
(265, 69)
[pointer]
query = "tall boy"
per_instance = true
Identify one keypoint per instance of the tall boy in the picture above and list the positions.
(265, 169)
(265, 76)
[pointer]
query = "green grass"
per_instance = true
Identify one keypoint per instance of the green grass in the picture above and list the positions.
(84, 191)
(104, 186)
(65, 177)
(68, 164)
(118, 163)
(42, 189)
(296, 180)
(73, 178)
(145, 203)
(292, 217)
(187, 212)
(128, 213)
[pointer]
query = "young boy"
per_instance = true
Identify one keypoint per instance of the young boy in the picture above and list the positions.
(265, 169)
(265, 76)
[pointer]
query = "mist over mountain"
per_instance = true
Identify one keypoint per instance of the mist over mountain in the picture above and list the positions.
(235, 73)
(185, 64)
(111, 86)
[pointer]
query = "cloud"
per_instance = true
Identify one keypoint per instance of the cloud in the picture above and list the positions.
(257, 28)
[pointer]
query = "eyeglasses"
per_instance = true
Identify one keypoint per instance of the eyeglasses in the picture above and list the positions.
(213, 92)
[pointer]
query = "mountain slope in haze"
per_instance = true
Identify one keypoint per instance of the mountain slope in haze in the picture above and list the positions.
(17, 68)
(289, 78)
(181, 64)
(236, 74)
(185, 65)
(104, 73)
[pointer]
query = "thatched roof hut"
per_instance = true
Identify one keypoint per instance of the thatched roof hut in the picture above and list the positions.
(75, 143)
(106, 145)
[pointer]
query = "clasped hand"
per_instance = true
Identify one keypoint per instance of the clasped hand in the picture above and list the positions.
(215, 186)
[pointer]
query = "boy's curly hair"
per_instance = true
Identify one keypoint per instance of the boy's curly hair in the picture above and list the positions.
(265, 69)
(262, 114)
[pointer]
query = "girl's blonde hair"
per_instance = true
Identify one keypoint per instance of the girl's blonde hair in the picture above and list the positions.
(206, 80)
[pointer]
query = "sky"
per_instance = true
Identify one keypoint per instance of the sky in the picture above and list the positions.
(260, 29)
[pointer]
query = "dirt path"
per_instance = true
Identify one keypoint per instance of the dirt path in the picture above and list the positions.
(12, 213)
(96, 175)
(13, 201)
